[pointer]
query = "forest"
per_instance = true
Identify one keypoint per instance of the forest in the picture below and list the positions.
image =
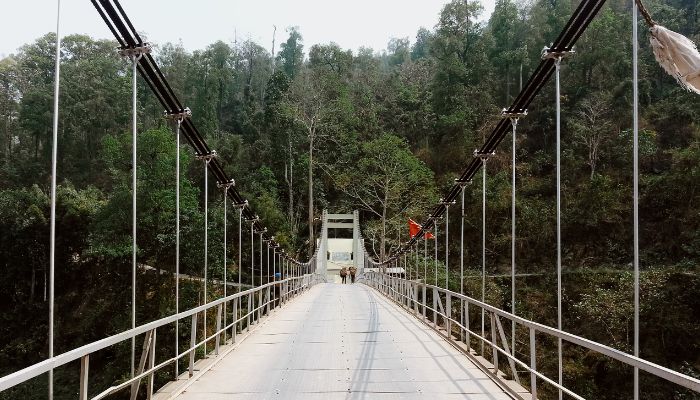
(310, 127)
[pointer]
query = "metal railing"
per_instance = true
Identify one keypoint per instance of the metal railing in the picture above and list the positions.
(436, 307)
(248, 307)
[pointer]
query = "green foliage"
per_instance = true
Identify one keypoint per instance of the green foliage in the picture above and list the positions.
(384, 132)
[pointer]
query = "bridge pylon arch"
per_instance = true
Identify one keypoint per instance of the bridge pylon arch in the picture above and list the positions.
(340, 245)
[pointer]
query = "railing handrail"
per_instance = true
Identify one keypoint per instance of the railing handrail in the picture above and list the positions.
(41, 367)
(628, 359)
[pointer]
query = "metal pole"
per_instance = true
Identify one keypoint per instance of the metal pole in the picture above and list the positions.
(425, 257)
(436, 251)
(177, 244)
(268, 262)
(261, 258)
(133, 212)
(447, 247)
(225, 275)
(252, 254)
(635, 86)
(514, 122)
(557, 63)
(240, 247)
(206, 244)
(483, 250)
(54, 168)
(405, 264)
(461, 265)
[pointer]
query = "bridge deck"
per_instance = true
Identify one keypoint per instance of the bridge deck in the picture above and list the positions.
(343, 342)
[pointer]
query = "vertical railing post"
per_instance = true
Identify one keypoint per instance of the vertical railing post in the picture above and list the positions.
(435, 300)
(425, 299)
(84, 373)
(193, 342)
(268, 300)
(494, 346)
(151, 365)
(217, 342)
(249, 312)
(533, 364)
(448, 312)
(467, 335)
(414, 287)
(235, 320)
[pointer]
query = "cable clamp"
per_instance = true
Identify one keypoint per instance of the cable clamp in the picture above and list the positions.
(483, 156)
(135, 51)
(256, 219)
(226, 185)
(513, 115)
(434, 217)
(463, 183)
(447, 203)
(178, 116)
(241, 205)
(207, 157)
(557, 55)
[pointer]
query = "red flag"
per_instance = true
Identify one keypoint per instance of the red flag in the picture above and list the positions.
(414, 228)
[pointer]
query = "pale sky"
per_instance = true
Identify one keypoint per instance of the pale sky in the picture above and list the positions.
(197, 23)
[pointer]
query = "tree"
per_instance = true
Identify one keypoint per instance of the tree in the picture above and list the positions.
(388, 181)
(421, 48)
(9, 107)
(591, 126)
(399, 51)
(319, 102)
(291, 55)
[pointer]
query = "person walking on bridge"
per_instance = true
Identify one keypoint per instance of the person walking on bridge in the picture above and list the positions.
(344, 274)
(353, 272)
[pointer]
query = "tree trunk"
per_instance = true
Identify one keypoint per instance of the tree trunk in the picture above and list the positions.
(382, 249)
(31, 291)
(312, 243)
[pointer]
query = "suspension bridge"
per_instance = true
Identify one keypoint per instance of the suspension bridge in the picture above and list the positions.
(293, 332)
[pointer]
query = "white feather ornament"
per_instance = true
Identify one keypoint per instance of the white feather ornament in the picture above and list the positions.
(677, 54)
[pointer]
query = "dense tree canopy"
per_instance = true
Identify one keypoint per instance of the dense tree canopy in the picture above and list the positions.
(317, 127)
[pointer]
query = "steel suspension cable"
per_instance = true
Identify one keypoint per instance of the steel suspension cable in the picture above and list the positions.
(436, 253)
(206, 241)
(514, 123)
(225, 267)
(240, 248)
(461, 264)
(126, 35)
(261, 258)
(177, 242)
(557, 62)
(447, 247)
(268, 262)
(635, 195)
(425, 259)
(135, 59)
(483, 249)
(405, 264)
(252, 254)
(577, 24)
(54, 171)
(415, 263)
